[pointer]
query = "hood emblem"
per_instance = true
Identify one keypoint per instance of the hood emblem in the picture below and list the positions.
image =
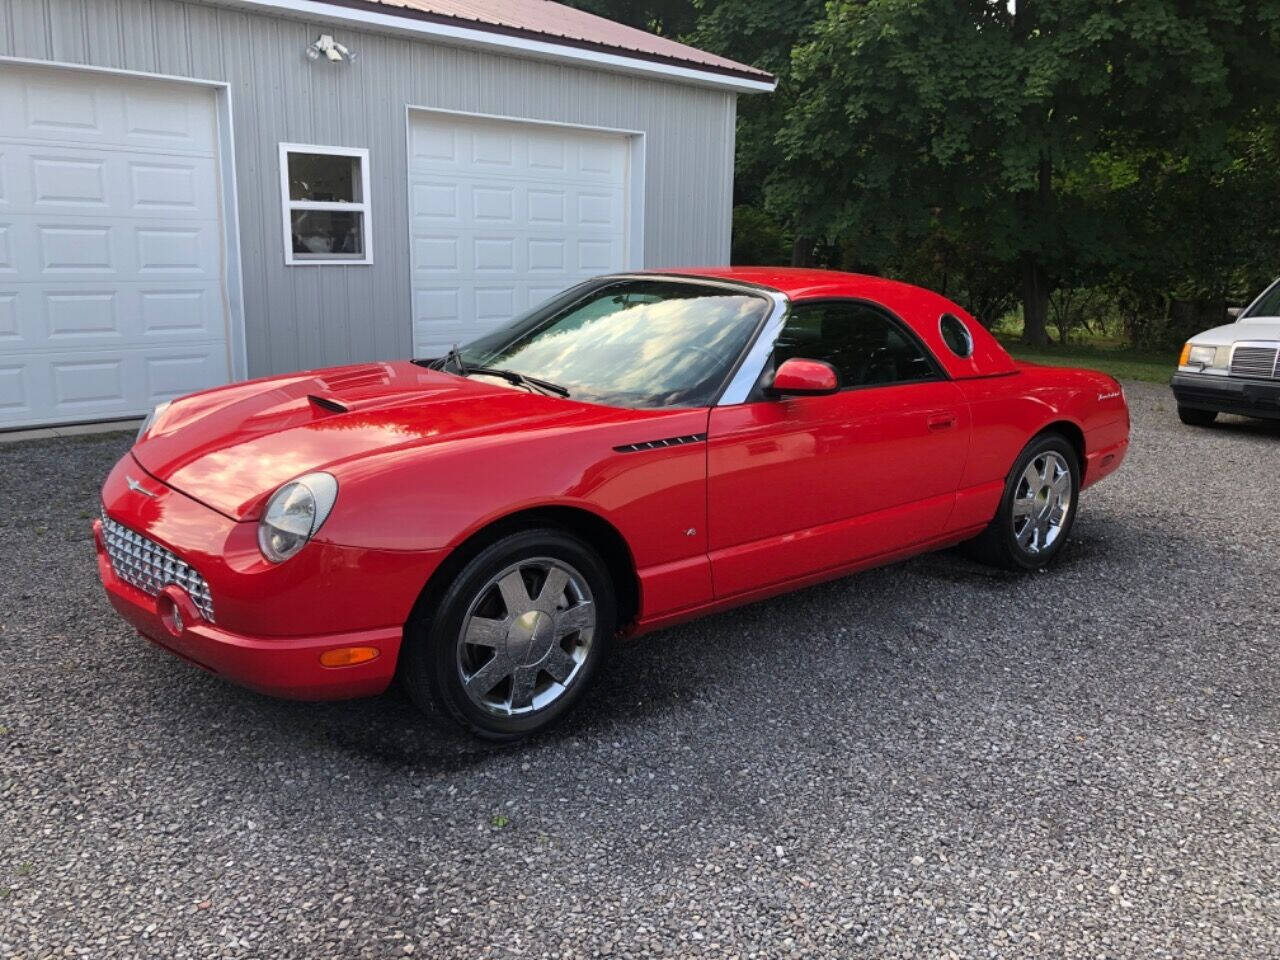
(138, 487)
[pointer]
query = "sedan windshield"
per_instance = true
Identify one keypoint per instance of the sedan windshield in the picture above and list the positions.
(1268, 305)
(629, 342)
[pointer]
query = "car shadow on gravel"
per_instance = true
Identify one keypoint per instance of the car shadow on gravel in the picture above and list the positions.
(878, 624)
(1240, 427)
(637, 683)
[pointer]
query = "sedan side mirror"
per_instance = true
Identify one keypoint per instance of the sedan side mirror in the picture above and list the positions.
(801, 377)
(1234, 312)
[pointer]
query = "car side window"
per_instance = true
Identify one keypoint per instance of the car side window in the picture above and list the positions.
(866, 346)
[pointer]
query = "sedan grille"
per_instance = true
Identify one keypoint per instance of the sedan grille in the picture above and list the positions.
(1255, 362)
(150, 567)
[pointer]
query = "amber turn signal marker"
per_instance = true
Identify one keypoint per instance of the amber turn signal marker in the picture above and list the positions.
(1186, 354)
(348, 656)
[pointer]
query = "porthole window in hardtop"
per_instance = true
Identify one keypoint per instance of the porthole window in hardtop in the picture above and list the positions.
(956, 335)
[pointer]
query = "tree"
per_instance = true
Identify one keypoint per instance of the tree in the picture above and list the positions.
(761, 33)
(668, 18)
(966, 118)
(1202, 235)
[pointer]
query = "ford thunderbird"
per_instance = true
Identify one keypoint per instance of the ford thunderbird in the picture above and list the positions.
(642, 449)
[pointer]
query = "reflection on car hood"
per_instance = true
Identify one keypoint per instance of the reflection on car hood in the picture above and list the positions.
(1256, 328)
(230, 448)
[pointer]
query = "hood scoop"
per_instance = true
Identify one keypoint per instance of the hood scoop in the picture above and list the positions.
(354, 378)
(327, 403)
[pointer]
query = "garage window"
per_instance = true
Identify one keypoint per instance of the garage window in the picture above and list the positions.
(325, 194)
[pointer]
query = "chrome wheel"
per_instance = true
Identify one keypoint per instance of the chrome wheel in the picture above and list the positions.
(526, 636)
(1042, 502)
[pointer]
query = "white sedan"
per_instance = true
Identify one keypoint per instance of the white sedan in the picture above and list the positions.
(1234, 368)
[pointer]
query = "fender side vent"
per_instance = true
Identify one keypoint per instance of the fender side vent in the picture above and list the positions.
(659, 444)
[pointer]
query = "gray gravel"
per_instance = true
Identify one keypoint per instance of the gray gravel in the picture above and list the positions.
(926, 760)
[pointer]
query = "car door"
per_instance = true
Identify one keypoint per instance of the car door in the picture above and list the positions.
(802, 485)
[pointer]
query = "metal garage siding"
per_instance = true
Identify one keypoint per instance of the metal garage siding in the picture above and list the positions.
(310, 316)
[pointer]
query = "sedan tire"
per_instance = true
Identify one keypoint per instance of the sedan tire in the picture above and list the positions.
(1196, 418)
(1037, 510)
(515, 639)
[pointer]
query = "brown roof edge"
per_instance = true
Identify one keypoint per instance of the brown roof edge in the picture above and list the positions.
(410, 13)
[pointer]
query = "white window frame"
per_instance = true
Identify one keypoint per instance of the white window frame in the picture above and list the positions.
(287, 205)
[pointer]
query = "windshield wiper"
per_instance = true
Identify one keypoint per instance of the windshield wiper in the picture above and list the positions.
(454, 356)
(440, 363)
(522, 380)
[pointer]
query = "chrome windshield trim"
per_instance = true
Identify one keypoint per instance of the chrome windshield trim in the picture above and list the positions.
(748, 372)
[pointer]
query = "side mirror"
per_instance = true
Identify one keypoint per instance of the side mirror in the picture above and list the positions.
(800, 377)
(1234, 312)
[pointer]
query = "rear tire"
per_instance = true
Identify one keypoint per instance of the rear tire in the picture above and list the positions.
(1196, 418)
(515, 640)
(1037, 510)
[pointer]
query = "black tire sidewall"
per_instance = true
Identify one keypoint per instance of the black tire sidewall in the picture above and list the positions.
(1021, 558)
(1195, 417)
(432, 670)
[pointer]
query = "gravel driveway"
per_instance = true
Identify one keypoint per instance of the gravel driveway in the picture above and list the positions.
(926, 760)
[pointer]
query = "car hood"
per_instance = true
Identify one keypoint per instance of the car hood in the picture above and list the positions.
(232, 447)
(1255, 328)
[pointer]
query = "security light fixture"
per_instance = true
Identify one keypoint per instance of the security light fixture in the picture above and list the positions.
(331, 49)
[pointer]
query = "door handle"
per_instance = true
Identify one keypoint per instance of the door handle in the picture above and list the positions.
(942, 421)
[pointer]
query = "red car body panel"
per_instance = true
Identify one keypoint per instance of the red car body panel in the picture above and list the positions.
(783, 492)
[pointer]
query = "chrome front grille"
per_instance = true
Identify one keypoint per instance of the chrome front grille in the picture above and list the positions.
(150, 567)
(1257, 362)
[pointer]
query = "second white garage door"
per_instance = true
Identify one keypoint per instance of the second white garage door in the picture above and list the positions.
(505, 214)
(111, 245)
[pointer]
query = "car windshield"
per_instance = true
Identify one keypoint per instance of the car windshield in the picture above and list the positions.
(1268, 304)
(629, 342)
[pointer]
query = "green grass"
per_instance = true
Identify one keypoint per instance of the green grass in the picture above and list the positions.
(1124, 363)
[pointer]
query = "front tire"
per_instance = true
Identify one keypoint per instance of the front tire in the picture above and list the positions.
(1196, 418)
(515, 640)
(1037, 510)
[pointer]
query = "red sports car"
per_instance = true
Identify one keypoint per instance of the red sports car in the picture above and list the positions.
(640, 450)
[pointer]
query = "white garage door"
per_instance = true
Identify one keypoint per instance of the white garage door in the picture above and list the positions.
(506, 214)
(111, 280)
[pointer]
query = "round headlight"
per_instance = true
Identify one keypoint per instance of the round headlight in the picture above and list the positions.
(294, 513)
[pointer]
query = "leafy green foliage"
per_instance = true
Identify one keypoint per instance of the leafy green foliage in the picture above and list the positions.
(1048, 153)
(761, 33)
(669, 18)
(915, 119)
(758, 238)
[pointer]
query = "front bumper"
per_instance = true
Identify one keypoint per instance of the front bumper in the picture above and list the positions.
(1248, 398)
(279, 666)
(268, 624)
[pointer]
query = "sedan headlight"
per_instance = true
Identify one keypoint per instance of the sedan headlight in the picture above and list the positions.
(150, 421)
(294, 513)
(1205, 357)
